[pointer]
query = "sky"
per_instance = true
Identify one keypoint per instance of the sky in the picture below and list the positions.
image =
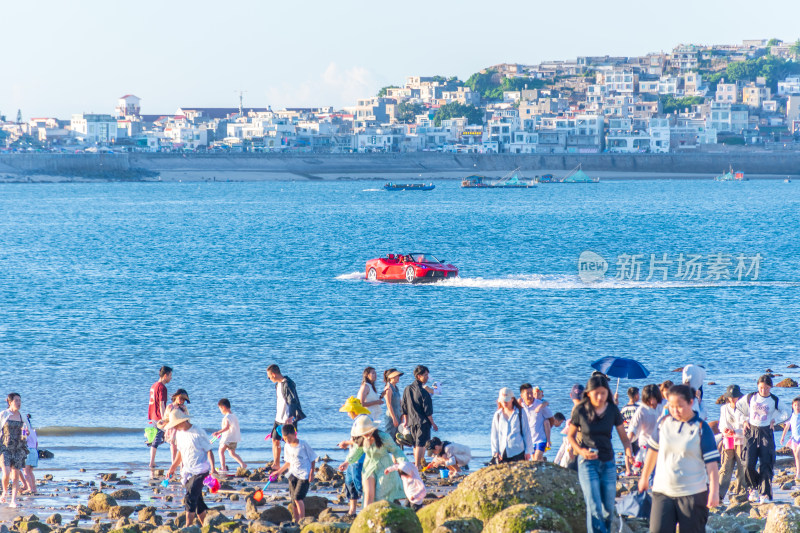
(62, 57)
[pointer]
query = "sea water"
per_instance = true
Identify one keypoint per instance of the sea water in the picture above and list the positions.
(101, 284)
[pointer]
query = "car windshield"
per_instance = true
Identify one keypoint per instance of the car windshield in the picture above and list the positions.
(424, 258)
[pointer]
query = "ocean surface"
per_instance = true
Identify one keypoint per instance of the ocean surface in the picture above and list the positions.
(101, 284)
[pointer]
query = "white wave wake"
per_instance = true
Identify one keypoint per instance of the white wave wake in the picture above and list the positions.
(351, 276)
(570, 282)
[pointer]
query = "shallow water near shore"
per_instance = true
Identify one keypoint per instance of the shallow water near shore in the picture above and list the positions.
(100, 284)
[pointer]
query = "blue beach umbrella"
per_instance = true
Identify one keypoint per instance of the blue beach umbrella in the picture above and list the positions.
(621, 367)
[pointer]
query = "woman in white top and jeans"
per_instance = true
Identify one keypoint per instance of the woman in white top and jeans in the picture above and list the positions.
(511, 434)
(369, 395)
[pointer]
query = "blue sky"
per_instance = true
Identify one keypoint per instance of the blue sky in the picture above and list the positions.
(64, 57)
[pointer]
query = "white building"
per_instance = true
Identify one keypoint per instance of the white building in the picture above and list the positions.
(725, 117)
(94, 128)
(127, 106)
(789, 86)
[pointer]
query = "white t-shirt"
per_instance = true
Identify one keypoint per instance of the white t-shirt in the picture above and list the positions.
(282, 410)
(233, 434)
(194, 446)
(299, 458)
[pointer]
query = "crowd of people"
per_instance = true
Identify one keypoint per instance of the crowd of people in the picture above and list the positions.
(667, 440)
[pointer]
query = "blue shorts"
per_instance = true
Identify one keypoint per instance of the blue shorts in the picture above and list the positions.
(33, 458)
(539, 446)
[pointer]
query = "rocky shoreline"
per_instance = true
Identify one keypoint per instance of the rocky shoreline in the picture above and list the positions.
(503, 498)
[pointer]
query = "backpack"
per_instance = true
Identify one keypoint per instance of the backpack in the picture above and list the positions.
(750, 396)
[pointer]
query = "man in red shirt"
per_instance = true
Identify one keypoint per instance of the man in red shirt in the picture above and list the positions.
(156, 407)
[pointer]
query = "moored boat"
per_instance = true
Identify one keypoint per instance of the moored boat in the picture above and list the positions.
(731, 176)
(391, 186)
(512, 180)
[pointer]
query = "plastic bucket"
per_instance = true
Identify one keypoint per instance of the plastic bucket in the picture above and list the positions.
(728, 443)
(444, 473)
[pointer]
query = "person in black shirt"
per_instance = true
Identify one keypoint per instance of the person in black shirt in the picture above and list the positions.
(417, 411)
(595, 417)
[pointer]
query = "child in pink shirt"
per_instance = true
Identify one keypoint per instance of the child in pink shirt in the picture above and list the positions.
(413, 485)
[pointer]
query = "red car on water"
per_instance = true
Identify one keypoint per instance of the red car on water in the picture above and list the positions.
(411, 268)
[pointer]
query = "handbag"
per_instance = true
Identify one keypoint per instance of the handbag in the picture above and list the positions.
(635, 505)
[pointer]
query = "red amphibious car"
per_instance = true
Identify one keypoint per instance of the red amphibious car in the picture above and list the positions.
(411, 268)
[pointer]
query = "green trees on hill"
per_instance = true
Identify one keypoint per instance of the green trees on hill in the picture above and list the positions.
(670, 104)
(490, 84)
(770, 67)
(406, 111)
(454, 109)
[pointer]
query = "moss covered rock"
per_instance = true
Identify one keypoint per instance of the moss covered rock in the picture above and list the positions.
(385, 517)
(526, 517)
(101, 502)
(326, 527)
(490, 490)
(31, 525)
(461, 525)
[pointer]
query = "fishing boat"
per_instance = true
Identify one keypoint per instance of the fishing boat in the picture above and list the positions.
(391, 186)
(577, 175)
(549, 178)
(731, 176)
(512, 180)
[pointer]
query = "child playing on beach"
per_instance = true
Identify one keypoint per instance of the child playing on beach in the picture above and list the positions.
(352, 476)
(229, 436)
(627, 414)
(794, 440)
(196, 461)
(179, 401)
(413, 486)
(449, 455)
(300, 460)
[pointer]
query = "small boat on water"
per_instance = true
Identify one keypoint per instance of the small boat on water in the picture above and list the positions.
(731, 176)
(576, 175)
(391, 186)
(512, 180)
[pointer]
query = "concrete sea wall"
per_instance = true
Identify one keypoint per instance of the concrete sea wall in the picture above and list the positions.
(426, 164)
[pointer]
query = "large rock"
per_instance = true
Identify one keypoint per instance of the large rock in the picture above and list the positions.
(120, 511)
(260, 526)
(490, 490)
(385, 517)
(315, 505)
(215, 518)
(783, 519)
(101, 502)
(325, 472)
(462, 525)
(326, 527)
(276, 514)
(526, 517)
(31, 525)
(54, 519)
(126, 494)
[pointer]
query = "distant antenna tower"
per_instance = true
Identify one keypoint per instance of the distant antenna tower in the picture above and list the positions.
(241, 100)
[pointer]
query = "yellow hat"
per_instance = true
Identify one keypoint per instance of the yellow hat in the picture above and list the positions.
(353, 405)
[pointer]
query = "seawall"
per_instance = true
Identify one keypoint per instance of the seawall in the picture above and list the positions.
(425, 164)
